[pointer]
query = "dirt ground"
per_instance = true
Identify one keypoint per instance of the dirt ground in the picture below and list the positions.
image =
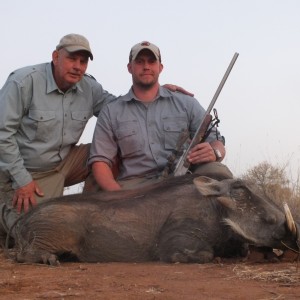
(254, 278)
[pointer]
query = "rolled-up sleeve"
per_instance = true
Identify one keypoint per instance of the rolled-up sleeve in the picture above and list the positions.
(104, 147)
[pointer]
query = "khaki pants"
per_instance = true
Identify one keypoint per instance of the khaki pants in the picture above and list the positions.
(72, 170)
(215, 170)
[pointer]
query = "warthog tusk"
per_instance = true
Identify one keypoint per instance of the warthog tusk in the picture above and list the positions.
(289, 219)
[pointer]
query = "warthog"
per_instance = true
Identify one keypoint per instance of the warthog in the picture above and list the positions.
(182, 219)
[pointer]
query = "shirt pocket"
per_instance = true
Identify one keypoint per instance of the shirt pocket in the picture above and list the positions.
(129, 138)
(40, 125)
(173, 128)
(79, 120)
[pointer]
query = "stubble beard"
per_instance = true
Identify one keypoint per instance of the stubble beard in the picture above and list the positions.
(145, 85)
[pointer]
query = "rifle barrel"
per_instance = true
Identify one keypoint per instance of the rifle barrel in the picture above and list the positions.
(182, 165)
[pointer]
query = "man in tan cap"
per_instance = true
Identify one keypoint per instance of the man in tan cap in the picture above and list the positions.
(144, 126)
(43, 111)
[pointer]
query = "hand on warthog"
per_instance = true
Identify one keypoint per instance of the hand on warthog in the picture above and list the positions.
(24, 197)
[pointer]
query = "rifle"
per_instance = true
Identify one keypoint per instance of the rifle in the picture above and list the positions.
(182, 165)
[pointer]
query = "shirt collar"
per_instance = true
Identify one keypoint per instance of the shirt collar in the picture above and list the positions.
(162, 93)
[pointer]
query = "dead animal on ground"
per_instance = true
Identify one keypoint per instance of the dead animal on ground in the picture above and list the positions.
(185, 219)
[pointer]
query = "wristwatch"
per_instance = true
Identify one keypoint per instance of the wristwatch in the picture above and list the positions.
(218, 154)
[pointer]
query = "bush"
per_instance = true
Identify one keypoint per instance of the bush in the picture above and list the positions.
(272, 182)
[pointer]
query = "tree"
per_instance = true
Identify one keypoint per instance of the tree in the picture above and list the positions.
(272, 182)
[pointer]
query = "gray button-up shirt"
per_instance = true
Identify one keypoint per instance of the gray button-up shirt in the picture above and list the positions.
(39, 123)
(144, 135)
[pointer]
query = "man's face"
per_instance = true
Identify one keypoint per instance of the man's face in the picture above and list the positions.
(145, 69)
(69, 67)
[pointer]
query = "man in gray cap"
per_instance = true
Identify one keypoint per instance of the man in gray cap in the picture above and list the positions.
(43, 112)
(143, 127)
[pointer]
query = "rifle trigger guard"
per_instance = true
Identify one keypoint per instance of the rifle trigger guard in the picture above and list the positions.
(216, 119)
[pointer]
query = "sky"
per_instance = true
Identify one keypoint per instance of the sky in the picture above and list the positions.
(259, 105)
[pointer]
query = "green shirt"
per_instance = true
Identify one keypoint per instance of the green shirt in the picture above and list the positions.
(39, 123)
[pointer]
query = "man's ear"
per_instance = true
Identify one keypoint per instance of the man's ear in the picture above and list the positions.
(161, 67)
(129, 68)
(55, 57)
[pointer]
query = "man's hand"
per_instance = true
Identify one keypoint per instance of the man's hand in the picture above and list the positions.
(175, 88)
(204, 152)
(24, 197)
(201, 153)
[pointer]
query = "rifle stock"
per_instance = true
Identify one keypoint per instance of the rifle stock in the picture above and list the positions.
(182, 165)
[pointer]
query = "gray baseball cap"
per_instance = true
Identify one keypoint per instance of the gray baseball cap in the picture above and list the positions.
(136, 49)
(75, 42)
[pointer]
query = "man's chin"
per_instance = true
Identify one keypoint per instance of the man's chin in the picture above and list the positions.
(72, 79)
(69, 84)
(146, 86)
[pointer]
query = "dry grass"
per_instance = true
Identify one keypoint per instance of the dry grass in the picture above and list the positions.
(286, 277)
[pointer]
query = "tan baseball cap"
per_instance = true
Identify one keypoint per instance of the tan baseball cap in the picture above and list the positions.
(136, 49)
(75, 42)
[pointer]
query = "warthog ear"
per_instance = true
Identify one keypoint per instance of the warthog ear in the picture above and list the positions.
(210, 187)
(219, 189)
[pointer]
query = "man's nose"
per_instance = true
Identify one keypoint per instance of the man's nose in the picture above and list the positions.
(146, 65)
(77, 64)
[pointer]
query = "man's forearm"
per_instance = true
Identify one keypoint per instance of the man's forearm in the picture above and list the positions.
(104, 176)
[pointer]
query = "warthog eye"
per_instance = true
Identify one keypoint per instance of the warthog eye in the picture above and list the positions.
(239, 194)
(271, 219)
